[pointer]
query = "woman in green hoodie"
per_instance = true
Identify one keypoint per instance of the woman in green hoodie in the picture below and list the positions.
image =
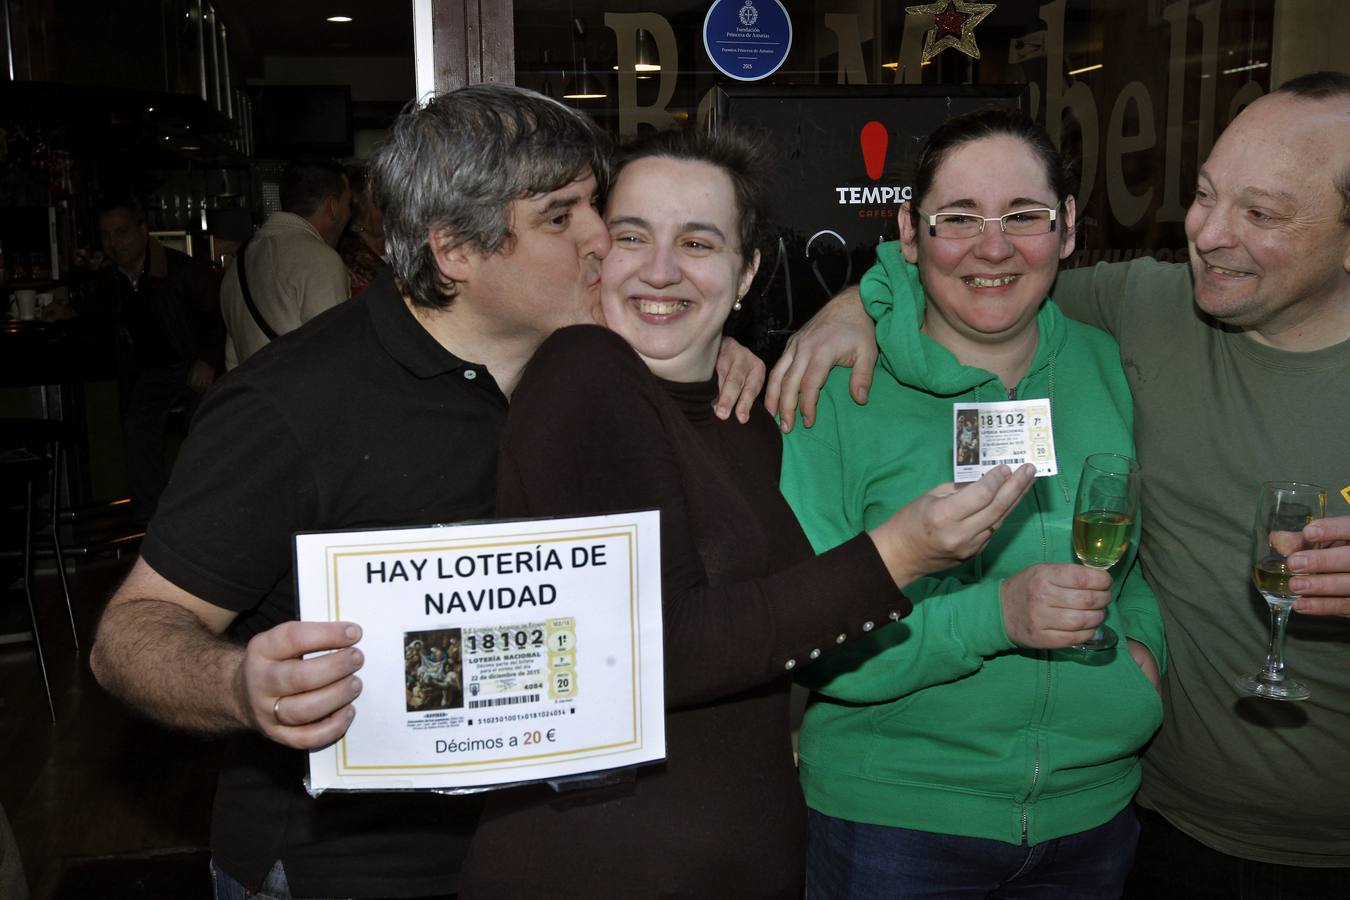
(968, 751)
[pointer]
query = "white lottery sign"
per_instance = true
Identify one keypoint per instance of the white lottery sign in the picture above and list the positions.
(1010, 432)
(495, 653)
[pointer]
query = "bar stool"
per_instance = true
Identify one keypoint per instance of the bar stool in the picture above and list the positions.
(30, 460)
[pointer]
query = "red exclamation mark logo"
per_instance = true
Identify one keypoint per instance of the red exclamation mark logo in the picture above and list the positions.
(874, 140)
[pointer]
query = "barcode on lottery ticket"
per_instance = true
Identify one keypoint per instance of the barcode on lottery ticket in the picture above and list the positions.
(1011, 461)
(504, 701)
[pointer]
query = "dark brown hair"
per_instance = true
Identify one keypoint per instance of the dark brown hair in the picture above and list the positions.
(743, 154)
(992, 121)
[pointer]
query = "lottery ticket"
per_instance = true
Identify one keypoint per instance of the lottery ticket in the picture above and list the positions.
(1009, 432)
(495, 653)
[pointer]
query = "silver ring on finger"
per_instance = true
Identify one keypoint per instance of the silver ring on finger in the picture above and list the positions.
(276, 711)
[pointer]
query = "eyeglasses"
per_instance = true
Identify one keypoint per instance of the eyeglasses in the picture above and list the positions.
(1021, 223)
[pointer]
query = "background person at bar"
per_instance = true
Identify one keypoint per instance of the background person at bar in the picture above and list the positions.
(291, 269)
(165, 308)
(362, 244)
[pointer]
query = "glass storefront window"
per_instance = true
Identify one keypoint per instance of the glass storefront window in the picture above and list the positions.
(1135, 89)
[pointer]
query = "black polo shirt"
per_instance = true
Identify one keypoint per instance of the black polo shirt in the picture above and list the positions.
(359, 419)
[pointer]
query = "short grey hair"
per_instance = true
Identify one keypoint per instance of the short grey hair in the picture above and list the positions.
(457, 163)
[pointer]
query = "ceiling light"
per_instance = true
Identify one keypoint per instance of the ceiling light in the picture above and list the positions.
(340, 19)
(891, 65)
(584, 86)
(1085, 69)
(189, 147)
(1246, 68)
(647, 54)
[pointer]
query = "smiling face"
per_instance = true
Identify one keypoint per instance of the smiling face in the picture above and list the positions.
(1269, 250)
(986, 290)
(674, 272)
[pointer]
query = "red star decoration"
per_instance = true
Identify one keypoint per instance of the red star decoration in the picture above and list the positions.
(949, 22)
(954, 24)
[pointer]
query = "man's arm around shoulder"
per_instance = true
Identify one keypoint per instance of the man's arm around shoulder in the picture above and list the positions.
(162, 650)
(1101, 295)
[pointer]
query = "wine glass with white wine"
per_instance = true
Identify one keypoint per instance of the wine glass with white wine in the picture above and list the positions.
(1103, 521)
(1282, 509)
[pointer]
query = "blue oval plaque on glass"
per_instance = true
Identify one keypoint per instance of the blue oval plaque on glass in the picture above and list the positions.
(747, 39)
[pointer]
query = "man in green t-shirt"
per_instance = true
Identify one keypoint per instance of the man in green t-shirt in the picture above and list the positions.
(1240, 368)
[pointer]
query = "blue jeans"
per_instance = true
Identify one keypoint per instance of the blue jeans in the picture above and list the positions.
(855, 861)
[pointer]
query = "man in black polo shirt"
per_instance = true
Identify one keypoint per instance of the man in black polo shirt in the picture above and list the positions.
(371, 415)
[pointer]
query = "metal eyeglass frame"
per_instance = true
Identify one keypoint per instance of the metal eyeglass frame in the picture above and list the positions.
(931, 219)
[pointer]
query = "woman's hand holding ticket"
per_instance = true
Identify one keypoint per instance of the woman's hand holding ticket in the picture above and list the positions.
(949, 523)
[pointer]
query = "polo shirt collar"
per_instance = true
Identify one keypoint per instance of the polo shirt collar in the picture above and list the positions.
(403, 337)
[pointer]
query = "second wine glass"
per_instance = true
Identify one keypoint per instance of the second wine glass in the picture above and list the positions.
(1283, 508)
(1103, 521)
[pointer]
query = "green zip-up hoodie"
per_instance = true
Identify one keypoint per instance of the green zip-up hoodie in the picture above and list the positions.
(939, 722)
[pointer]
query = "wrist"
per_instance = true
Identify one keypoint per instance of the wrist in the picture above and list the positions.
(241, 710)
(894, 556)
(984, 620)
